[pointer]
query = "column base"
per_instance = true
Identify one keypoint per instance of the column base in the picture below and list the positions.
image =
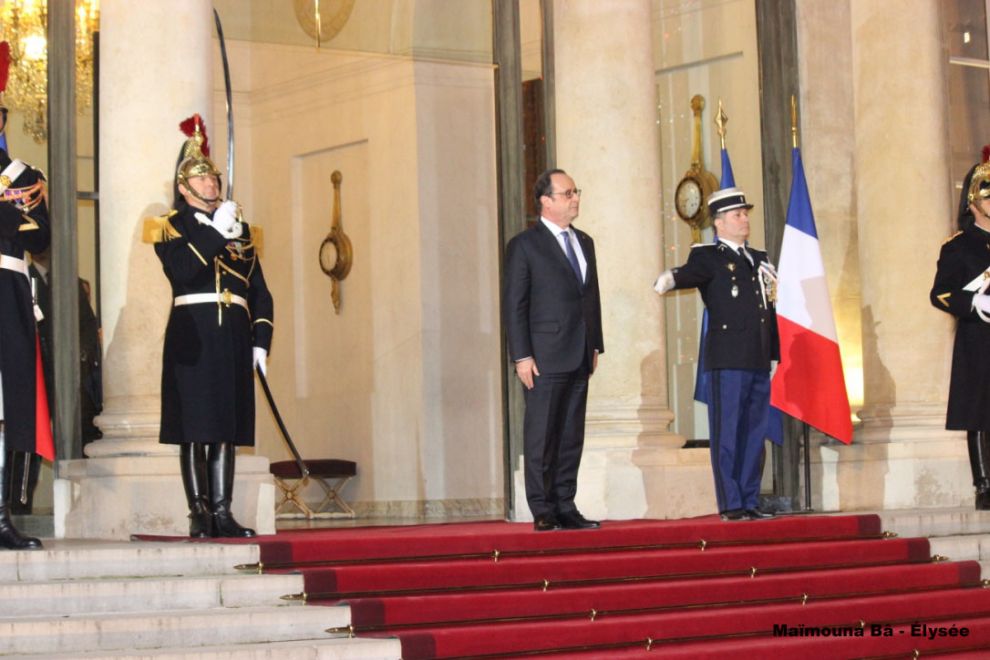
(632, 467)
(902, 459)
(117, 496)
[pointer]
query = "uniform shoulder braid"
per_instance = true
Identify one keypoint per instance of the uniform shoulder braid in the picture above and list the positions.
(159, 229)
(953, 237)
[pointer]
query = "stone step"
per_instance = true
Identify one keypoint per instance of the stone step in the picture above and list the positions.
(187, 629)
(95, 596)
(331, 649)
(962, 547)
(936, 522)
(83, 559)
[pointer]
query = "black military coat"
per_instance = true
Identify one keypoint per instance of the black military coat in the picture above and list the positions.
(21, 231)
(742, 330)
(963, 258)
(207, 377)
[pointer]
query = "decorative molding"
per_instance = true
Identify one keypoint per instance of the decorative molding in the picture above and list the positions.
(355, 80)
(438, 510)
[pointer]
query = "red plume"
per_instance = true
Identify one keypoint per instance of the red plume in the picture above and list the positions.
(4, 64)
(188, 127)
(986, 152)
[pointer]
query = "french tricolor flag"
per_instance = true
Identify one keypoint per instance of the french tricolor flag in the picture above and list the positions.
(809, 384)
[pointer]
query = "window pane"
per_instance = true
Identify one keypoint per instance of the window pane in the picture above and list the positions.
(969, 121)
(965, 24)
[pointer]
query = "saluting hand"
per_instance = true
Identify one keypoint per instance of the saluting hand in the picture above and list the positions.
(664, 283)
(526, 370)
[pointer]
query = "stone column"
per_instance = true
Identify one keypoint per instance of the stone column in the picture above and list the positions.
(156, 68)
(903, 207)
(607, 141)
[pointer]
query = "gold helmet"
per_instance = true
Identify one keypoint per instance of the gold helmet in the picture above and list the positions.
(979, 185)
(195, 158)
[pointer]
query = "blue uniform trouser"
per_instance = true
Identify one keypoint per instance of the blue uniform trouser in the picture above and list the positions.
(738, 408)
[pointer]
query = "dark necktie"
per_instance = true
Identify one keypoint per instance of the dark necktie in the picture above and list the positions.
(571, 255)
(742, 253)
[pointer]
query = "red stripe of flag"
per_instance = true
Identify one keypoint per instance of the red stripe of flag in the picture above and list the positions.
(809, 379)
(44, 444)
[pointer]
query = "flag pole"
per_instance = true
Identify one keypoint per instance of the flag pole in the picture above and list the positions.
(720, 120)
(794, 124)
(807, 467)
(805, 428)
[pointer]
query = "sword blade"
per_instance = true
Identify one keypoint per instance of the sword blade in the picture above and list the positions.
(303, 470)
(230, 106)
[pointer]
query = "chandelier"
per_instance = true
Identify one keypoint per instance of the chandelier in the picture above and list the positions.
(24, 25)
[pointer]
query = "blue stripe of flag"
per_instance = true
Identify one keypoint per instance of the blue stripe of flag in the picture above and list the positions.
(799, 213)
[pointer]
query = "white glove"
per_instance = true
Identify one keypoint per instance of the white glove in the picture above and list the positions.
(261, 360)
(664, 283)
(981, 302)
(225, 220)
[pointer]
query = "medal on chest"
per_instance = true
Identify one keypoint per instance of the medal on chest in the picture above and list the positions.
(239, 250)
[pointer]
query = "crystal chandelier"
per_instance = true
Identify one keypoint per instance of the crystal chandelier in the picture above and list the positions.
(24, 23)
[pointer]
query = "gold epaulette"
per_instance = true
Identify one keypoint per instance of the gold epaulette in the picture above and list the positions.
(951, 237)
(257, 238)
(159, 229)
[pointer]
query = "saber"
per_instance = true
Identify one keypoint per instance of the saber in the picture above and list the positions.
(230, 107)
(303, 470)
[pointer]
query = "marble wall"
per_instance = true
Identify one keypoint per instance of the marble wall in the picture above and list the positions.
(405, 379)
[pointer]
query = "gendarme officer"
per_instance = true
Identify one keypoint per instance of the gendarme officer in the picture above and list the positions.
(24, 228)
(738, 286)
(219, 329)
(961, 289)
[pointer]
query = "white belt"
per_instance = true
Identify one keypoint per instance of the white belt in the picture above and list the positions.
(226, 298)
(14, 264)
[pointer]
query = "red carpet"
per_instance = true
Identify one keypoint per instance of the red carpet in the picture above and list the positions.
(793, 587)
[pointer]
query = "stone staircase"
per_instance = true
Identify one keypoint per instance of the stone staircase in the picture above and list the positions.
(957, 533)
(93, 599)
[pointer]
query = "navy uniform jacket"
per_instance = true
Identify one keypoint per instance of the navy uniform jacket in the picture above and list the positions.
(207, 377)
(742, 331)
(964, 257)
(20, 233)
(548, 314)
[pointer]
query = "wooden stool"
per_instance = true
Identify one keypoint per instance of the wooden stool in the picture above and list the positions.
(331, 474)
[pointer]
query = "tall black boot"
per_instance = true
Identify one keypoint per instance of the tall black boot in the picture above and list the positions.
(979, 462)
(192, 460)
(221, 464)
(10, 538)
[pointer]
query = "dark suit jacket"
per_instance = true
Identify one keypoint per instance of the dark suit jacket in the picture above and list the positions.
(742, 332)
(548, 314)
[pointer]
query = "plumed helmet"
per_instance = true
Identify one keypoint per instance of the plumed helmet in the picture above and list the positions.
(979, 184)
(195, 157)
(4, 69)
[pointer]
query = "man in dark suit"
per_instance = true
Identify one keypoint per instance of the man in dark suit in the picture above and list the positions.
(553, 319)
(738, 286)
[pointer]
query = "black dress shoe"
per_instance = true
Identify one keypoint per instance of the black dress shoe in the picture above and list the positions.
(545, 524)
(734, 514)
(756, 514)
(575, 520)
